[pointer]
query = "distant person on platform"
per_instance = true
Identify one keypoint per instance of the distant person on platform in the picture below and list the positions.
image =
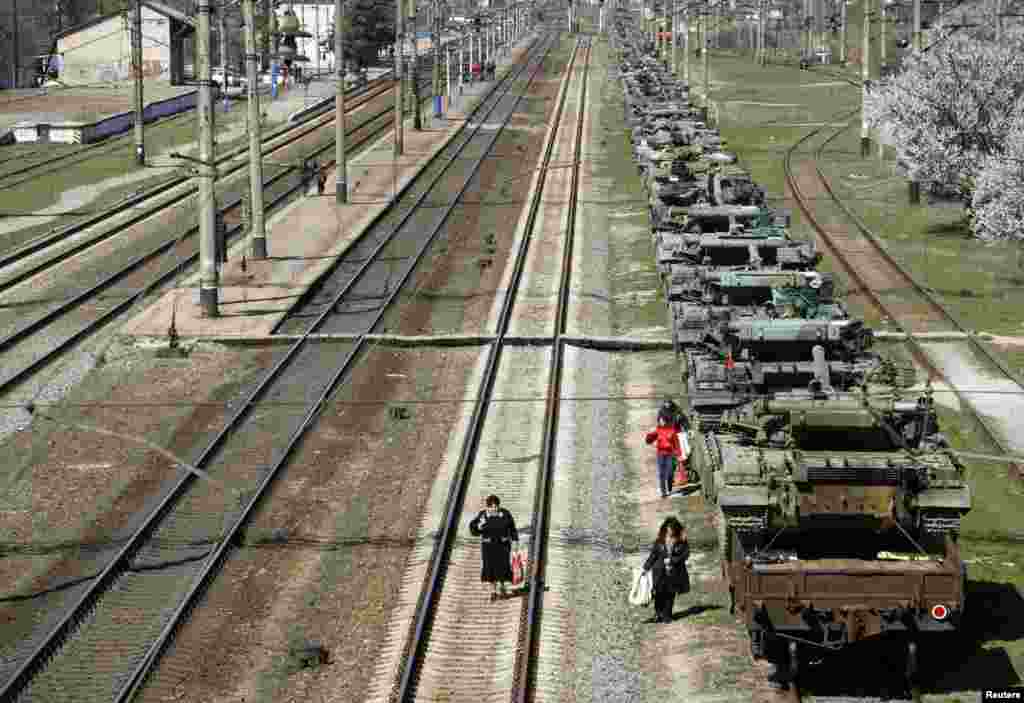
(497, 529)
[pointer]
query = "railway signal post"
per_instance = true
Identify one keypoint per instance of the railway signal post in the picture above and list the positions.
(257, 232)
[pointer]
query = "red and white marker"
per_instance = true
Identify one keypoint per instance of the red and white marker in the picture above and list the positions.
(939, 612)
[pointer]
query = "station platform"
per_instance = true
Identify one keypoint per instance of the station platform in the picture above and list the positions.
(303, 239)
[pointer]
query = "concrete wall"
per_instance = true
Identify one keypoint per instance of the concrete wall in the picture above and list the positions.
(102, 52)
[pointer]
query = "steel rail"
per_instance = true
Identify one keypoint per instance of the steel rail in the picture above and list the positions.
(972, 340)
(430, 594)
(527, 653)
(120, 564)
(233, 233)
(87, 151)
(292, 134)
(93, 150)
(214, 563)
(917, 350)
(19, 335)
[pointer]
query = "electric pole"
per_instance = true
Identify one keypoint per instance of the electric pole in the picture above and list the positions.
(16, 63)
(258, 233)
(436, 41)
(914, 187)
(268, 13)
(399, 83)
(340, 158)
(762, 22)
(881, 38)
(140, 144)
(664, 36)
(806, 34)
(686, 43)
(414, 75)
(222, 30)
(843, 50)
(916, 38)
(705, 58)
(675, 37)
(275, 49)
(208, 275)
(717, 25)
(865, 74)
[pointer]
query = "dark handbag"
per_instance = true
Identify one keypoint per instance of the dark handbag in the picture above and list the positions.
(684, 581)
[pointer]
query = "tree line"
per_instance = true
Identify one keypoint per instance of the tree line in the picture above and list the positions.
(956, 112)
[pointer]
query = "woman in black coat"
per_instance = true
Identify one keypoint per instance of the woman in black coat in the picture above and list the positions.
(667, 562)
(498, 531)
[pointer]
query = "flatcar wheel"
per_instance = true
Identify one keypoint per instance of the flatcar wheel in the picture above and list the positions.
(911, 663)
(794, 661)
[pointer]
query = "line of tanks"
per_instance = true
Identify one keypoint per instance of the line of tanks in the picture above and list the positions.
(838, 500)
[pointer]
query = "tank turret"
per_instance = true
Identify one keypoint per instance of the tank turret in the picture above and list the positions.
(716, 381)
(721, 218)
(679, 254)
(821, 459)
(791, 293)
(734, 186)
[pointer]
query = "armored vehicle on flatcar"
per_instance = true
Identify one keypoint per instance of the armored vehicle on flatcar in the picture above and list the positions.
(815, 489)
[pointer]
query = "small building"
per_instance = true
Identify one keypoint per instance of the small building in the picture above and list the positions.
(100, 50)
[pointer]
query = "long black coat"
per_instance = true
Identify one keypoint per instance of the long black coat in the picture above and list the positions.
(497, 533)
(671, 576)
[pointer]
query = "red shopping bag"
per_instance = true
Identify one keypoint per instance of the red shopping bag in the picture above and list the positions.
(680, 478)
(518, 568)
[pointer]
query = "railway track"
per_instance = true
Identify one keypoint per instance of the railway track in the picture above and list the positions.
(85, 312)
(126, 142)
(42, 166)
(451, 647)
(144, 594)
(869, 266)
(149, 202)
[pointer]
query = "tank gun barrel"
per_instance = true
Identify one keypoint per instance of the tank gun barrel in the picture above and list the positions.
(760, 279)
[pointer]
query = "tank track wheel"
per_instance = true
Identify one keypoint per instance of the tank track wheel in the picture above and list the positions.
(911, 664)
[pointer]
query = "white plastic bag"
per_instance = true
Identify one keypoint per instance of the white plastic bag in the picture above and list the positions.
(640, 594)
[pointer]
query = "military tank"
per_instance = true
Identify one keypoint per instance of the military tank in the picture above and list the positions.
(819, 492)
(732, 185)
(679, 253)
(838, 500)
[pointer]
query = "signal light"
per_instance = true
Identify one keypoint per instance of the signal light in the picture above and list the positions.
(940, 612)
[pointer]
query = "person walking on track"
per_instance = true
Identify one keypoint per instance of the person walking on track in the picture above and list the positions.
(667, 564)
(497, 530)
(321, 181)
(665, 437)
(678, 420)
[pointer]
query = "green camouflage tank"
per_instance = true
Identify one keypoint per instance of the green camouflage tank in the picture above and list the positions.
(822, 459)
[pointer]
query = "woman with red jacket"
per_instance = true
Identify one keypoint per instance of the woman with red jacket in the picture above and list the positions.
(665, 437)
